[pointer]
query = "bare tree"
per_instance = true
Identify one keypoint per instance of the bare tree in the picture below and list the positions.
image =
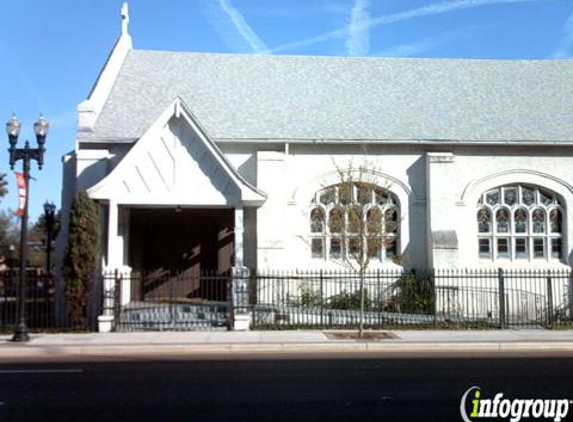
(365, 221)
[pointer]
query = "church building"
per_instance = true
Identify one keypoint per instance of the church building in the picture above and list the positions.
(231, 160)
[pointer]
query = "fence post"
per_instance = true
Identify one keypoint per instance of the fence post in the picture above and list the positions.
(501, 299)
(106, 321)
(252, 288)
(321, 300)
(569, 295)
(117, 292)
(549, 302)
(378, 303)
(240, 317)
(173, 275)
(434, 295)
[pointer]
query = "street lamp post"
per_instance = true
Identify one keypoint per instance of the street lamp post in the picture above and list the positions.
(49, 213)
(25, 154)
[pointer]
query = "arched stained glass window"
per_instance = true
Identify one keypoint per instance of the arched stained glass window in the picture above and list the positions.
(538, 221)
(528, 223)
(502, 220)
(484, 221)
(391, 220)
(555, 220)
(317, 220)
(349, 219)
(520, 220)
(336, 220)
(355, 218)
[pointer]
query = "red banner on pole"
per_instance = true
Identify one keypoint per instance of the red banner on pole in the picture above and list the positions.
(21, 193)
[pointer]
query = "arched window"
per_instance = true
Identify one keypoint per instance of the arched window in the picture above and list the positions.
(528, 224)
(502, 221)
(520, 220)
(350, 219)
(538, 221)
(317, 220)
(555, 221)
(484, 221)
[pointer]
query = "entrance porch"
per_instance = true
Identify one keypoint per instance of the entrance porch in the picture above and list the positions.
(173, 205)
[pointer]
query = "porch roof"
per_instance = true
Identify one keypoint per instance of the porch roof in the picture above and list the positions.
(176, 163)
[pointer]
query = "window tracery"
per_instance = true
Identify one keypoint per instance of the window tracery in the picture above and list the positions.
(341, 214)
(528, 223)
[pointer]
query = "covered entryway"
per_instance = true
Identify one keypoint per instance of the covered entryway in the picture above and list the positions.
(179, 239)
(174, 224)
(181, 263)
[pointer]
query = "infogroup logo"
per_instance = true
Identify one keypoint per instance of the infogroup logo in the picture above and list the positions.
(514, 410)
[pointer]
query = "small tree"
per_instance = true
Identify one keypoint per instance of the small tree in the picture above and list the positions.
(363, 232)
(3, 185)
(9, 237)
(80, 259)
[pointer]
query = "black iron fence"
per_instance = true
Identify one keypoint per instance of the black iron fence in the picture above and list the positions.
(40, 307)
(45, 309)
(307, 299)
(459, 298)
(164, 300)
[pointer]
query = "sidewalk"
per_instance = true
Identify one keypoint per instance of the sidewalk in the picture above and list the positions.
(281, 341)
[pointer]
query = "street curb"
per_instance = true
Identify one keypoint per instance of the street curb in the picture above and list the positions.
(333, 347)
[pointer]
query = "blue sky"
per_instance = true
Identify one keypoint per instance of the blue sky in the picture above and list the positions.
(53, 50)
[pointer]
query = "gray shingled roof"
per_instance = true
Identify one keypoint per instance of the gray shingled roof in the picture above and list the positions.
(327, 98)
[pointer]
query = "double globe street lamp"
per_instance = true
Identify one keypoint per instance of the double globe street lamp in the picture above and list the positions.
(26, 154)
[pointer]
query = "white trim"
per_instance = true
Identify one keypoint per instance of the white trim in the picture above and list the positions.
(515, 176)
(305, 193)
(401, 141)
(90, 109)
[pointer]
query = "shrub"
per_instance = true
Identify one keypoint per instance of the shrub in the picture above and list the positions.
(415, 294)
(350, 301)
(80, 259)
(309, 298)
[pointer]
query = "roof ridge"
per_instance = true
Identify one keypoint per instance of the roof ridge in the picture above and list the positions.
(354, 58)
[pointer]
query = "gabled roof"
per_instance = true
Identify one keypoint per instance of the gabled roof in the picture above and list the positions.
(344, 99)
(176, 163)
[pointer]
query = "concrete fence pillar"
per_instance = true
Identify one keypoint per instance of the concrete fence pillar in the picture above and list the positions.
(116, 294)
(240, 315)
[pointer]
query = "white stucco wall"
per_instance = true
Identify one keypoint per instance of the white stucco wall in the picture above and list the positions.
(437, 195)
(438, 189)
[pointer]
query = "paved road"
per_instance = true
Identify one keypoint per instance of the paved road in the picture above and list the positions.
(271, 387)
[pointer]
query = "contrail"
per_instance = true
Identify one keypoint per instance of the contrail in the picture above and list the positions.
(358, 41)
(433, 9)
(566, 44)
(243, 27)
